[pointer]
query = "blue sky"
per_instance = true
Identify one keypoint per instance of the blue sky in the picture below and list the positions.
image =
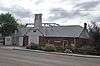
(63, 12)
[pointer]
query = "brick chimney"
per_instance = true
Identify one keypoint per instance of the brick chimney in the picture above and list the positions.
(85, 25)
(38, 21)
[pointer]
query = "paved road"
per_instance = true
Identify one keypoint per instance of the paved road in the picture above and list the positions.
(26, 58)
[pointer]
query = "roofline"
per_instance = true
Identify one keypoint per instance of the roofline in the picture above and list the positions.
(82, 31)
(70, 25)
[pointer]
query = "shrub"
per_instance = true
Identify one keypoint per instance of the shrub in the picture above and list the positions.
(33, 46)
(86, 49)
(49, 47)
(60, 49)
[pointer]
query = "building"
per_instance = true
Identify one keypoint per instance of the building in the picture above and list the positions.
(51, 33)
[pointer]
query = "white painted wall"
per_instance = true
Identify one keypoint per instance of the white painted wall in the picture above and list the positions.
(20, 41)
(33, 37)
(8, 40)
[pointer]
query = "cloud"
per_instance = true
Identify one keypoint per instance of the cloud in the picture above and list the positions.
(96, 19)
(59, 13)
(91, 8)
(53, 10)
(39, 1)
(2, 8)
(87, 5)
(21, 12)
(17, 10)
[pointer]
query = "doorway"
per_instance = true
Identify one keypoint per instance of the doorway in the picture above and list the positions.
(25, 40)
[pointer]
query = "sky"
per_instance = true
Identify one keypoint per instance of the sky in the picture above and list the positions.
(63, 12)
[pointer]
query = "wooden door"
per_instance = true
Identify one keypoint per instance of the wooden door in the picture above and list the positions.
(25, 40)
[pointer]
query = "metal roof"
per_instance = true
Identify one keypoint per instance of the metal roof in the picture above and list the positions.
(63, 31)
(55, 31)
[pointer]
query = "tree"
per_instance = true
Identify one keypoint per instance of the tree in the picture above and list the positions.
(8, 24)
(94, 31)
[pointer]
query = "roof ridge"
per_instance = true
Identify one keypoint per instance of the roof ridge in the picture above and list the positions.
(71, 26)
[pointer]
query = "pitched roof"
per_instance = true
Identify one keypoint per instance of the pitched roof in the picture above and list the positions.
(64, 31)
(55, 31)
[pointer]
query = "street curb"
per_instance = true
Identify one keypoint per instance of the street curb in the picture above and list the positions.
(31, 50)
(57, 53)
(85, 56)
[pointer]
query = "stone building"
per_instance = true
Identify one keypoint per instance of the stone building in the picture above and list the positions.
(51, 33)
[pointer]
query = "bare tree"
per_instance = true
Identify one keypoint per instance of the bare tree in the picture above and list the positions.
(94, 31)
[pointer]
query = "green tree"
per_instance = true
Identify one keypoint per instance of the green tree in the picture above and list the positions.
(8, 24)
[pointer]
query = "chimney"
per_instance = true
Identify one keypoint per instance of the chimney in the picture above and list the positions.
(38, 21)
(85, 25)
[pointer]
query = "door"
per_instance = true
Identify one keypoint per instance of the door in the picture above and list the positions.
(25, 40)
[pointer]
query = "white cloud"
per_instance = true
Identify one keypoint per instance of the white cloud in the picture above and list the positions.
(67, 11)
